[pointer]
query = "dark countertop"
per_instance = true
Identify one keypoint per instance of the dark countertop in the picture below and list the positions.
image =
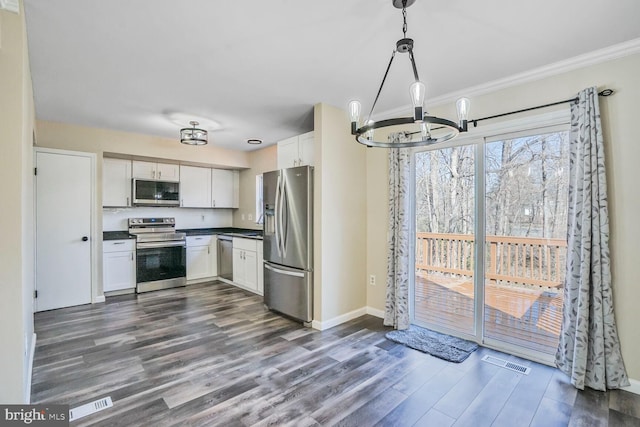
(232, 231)
(117, 235)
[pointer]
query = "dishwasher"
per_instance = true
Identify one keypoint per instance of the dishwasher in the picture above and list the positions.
(225, 257)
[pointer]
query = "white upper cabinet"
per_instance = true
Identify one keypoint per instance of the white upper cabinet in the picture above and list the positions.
(195, 187)
(116, 182)
(288, 153)
(296, 151)
(156, 171)
(225, 188)
(305, 148)
(168, 172)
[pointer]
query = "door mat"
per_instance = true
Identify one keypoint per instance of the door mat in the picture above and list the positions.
(434, 343)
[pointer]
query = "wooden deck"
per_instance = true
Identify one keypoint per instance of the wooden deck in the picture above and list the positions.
(520, 316)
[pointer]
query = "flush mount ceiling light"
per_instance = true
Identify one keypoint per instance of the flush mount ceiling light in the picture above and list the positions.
(193, 135)
(254, 141)
(422, 128)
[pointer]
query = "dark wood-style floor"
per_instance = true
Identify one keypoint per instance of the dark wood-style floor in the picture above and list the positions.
(210, 354)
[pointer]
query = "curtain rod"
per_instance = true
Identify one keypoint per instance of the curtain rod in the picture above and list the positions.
(604, 92)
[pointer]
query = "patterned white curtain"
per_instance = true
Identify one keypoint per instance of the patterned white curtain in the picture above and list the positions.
(396, 311)
(589, 350)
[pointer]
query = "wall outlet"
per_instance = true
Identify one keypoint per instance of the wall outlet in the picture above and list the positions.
(202, 217)
(250, 217)
(242, 217)
(372, 280)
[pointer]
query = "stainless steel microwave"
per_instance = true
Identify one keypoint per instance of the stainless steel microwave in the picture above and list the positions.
(155, 193)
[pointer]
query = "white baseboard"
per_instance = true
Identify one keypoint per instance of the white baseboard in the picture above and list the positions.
(99, 299)
(634, 387)
(327, 324)
(32, 352)
(375, 312)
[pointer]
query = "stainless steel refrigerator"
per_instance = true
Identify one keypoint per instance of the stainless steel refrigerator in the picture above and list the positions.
(288, 241)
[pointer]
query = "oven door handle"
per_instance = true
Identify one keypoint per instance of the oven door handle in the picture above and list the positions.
(167, 244)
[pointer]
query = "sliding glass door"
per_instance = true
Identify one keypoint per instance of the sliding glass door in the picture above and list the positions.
(526, 189)
(444, 291)
(510, 194)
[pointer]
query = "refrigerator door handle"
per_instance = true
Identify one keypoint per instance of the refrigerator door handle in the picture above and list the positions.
(285, 272)
(285, 217)
(280, 210)
(277, 217)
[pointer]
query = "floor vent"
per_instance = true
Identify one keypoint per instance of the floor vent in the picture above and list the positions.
(516, 367)
(90, 408)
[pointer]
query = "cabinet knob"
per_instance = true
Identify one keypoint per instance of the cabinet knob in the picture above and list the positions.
(85, 238)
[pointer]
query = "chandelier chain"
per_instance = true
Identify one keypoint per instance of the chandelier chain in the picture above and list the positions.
(404, 18)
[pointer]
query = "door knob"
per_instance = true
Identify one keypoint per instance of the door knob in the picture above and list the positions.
(85, 238)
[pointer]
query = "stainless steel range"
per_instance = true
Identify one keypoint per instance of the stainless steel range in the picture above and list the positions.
(160, 253)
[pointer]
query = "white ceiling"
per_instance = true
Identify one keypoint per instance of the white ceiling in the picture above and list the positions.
(257, 67)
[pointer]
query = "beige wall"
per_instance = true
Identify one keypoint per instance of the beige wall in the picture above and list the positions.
(93, 140)
(260, 161)
(619, 114)
(16, 210)
(99, 141)
(340, 216)
(377, 224)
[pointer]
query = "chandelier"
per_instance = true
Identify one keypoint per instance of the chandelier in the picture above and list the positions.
(403, 132)
(193, 135)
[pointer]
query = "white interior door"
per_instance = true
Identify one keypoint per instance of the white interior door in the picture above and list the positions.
(63, 229)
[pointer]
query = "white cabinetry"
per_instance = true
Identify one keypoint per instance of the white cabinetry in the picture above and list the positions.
(305, 149)
(116, 182)
(156, 171)
(201, 257)
(195, 187)
(245, 263)
(119, 265)
(225, 188)
(296, 151)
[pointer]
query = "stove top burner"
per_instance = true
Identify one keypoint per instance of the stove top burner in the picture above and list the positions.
(155, 230)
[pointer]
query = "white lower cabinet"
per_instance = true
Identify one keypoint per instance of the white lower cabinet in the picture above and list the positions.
(119, 265)
(201, 257)
(245, 263)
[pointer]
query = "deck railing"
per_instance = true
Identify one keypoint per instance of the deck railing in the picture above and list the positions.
(524, 261)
